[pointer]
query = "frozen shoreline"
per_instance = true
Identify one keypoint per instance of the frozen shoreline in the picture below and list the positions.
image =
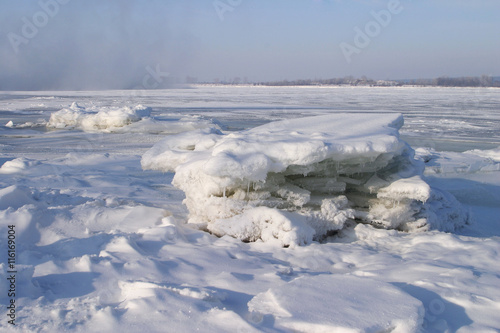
(297, 180)
(104, 245)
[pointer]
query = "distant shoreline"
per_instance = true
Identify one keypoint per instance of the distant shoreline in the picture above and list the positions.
(238, 85)
(258, 85)
(483, 81)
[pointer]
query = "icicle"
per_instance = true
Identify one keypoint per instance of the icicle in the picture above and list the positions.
(224, 193)
(248, 188)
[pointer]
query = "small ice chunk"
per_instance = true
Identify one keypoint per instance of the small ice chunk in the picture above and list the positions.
(266, 224)
(294, 194)
(413, 188)
(412, 205)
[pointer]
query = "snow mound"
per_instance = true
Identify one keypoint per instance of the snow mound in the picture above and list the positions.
(335, 303)
(15, 197)
(107, 119)
(312, 174)
(17, 165)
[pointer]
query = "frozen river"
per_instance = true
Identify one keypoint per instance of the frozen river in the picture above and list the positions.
(455, 119)
(103, 245)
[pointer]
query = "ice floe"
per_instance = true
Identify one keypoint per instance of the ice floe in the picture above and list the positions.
(295, 181)
(124, 119)
(449, 163)
(105, 119)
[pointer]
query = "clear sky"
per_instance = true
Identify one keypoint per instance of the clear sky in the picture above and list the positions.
(100, 44)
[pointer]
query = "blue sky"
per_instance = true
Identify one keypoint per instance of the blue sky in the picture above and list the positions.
(93, 44)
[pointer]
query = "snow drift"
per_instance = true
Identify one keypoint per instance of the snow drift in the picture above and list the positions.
(300, 180)
(334, 303)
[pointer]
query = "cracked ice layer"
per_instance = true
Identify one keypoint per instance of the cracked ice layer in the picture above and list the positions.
(298, 180)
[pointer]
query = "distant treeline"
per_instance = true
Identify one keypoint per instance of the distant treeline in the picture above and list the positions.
(482, 81)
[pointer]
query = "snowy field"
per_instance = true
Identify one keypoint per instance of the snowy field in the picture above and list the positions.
(251, 209)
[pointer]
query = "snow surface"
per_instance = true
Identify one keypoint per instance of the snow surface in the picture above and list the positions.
(312, 174)
(334, 303)
(104, 246)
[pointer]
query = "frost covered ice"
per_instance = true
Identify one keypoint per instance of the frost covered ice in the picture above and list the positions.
(103, 245)
(123, 119)
(299, 180)
(77, 116)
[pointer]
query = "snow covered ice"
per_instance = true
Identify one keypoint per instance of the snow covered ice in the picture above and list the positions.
(135, 119)
(103, 245)
(76, 116)
(298, 180)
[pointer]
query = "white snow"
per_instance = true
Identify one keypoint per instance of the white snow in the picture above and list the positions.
(125, 119)
(16, 165)
(103, 246)
(332, 303)
(106, 119)
(412, 204)
(468, 162)
(316, 172)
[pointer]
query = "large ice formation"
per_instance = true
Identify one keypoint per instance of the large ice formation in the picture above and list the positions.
(299, 180)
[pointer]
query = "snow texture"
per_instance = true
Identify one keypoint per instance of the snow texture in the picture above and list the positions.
(103, 246)
(334, 303)
(299, 180)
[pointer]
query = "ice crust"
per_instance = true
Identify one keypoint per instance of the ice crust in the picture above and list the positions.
(295, 181)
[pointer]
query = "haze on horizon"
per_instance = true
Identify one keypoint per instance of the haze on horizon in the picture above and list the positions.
(122, 44)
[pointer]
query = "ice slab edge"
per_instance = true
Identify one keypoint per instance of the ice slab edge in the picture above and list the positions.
(294, 181)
